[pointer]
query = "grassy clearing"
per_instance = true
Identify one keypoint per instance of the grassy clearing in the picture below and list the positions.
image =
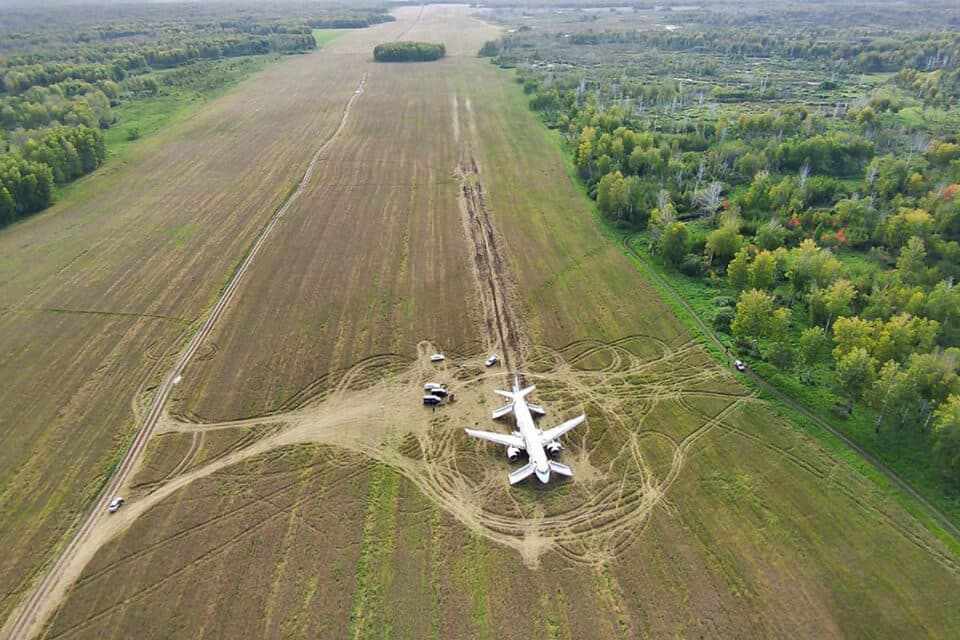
(374, 571)
(137, 119)
(326, 36)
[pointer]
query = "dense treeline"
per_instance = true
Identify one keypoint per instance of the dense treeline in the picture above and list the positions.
(351, 22)
(880, 53)
(65, 69)
(408, 52)
(830, 237)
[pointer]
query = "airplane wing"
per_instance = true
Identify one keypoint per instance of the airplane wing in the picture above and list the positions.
(506, 394)
(498, 438)
(559, 430)
(502, 411)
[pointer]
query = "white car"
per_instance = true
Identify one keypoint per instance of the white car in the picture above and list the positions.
(437, 357)
(431, 400)
(115, 504)
(492, 360)
(739, 366)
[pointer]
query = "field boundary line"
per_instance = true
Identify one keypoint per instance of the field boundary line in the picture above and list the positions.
(769, 388)
(27, 619)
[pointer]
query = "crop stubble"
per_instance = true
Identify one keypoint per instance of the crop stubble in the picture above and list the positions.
(695, 510)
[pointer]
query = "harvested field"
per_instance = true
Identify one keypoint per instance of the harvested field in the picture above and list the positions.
(355, 512)
(98, 293)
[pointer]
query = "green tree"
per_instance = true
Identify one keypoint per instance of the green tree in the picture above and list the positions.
(673, 243)
(758, 316)
(851, 333)
(946, 439)
(763, 271)
(771, 235)
(8, 208)
(723, 243)
(814, 346)
(810, 265)
(838, 299)
(893, 395)
(856, 371)
(912, 262)
(738, 271)
(943, 305)
(613, 195)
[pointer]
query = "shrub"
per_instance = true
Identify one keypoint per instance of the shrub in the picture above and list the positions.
(723, 318)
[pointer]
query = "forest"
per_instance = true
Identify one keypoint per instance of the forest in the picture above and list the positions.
(795, 172)
(408, 52)
(65, 69)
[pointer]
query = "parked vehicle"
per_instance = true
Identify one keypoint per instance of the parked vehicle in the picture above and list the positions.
(437, 357)
(492, 360)
(739, 366)
(115, 504)
(431, 400)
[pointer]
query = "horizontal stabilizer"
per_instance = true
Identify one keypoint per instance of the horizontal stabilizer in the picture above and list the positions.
(559, 430)
(515, 395)
(560, 468)
(537, 409)
(497, 438)
(522, 473)
(502, 411)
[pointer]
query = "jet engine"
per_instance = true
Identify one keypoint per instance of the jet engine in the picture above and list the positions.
(512, 453)
(553, 447)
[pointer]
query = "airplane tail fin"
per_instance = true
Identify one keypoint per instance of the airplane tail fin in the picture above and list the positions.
(522, 473)
(560, 468)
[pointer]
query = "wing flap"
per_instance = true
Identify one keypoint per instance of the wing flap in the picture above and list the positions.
(497, 438)
(559, 430)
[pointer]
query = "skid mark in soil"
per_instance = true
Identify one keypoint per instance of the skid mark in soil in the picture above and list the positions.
(588, 519)
(501, 324)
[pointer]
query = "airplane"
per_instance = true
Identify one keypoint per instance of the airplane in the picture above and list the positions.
(528, 436)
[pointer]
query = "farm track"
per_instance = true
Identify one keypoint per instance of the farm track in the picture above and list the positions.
(662, 419)
(941, 518)
(608, 512)
(27, 619)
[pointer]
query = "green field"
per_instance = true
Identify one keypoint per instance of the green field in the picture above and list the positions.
(295, 486)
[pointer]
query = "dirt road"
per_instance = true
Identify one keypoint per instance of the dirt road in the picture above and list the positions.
(28, 619)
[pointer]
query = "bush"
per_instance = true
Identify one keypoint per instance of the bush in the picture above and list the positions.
(489, 49)
(723, 318)
(408, 52)
(692, 265)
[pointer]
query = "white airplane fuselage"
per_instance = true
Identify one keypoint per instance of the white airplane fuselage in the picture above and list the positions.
(528, 437)
(531, 437)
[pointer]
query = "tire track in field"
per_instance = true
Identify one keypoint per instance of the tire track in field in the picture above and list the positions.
(501, 324)
(27, 619)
